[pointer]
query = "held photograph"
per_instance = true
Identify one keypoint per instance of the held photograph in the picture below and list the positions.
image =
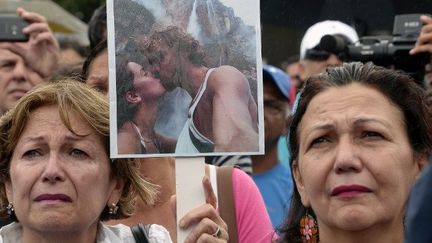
(186, 78)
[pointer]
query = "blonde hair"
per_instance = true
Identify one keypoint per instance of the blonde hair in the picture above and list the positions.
(92, 107)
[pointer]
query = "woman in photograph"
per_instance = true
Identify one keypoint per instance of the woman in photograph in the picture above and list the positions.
(252, 222)
(138, 97)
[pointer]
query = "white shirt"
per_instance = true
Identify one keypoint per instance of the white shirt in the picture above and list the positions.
(12, 233)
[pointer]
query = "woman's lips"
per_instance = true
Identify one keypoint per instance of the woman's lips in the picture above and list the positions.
(53, 197)
(18, 93)
(349, 190)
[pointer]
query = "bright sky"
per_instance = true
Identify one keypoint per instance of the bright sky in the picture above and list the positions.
(245, 9)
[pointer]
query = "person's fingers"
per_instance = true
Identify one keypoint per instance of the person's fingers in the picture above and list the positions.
(207, 231)
(209, 193)
(205, 226)
(425, 38)
(20, 11)
(426, 29)
(197, 214)
(421, 48)
(424, 41)
(30, 16)
(44, 37)
(426, 19)
(206, 238)
(36, 28)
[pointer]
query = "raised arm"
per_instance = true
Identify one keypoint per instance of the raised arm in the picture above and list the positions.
(424, 41)
(41, 52)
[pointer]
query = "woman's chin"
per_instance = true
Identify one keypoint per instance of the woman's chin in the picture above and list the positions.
(53, 221)
(355, 219)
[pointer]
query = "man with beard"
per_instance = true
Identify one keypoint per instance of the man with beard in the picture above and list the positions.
(223, 113)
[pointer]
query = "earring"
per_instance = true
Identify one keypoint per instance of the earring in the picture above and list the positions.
(309, 228)
(10, 209)
(113, 209)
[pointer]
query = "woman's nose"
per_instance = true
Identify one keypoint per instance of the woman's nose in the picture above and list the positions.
(346, 158)
(53, 171)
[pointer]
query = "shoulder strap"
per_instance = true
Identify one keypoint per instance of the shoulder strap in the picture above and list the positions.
(226, 200)
(140, 232)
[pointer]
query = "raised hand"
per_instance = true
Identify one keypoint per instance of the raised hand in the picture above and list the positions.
(41, 52)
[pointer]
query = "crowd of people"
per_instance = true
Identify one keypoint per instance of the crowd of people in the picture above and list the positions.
(347, 144)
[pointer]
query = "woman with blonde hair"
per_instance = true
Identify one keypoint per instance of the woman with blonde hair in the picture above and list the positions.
(57, 181)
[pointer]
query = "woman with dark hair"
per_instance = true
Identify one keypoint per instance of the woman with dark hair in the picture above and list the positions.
(138, 96)
(359, 138)
(94, 68)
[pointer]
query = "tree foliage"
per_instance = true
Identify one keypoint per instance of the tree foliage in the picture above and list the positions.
(83, 9)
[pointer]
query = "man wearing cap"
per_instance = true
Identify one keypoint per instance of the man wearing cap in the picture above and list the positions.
(272, 178)
(315, 55)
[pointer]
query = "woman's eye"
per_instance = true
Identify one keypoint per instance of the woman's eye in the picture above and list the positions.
(7, 65)
(319, 141)
(371, 134)
(31, 154)
(78, 153)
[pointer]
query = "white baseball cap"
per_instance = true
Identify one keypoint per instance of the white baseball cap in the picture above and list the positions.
(314, 34)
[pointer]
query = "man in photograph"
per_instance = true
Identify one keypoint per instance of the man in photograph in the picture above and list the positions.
(223, 114)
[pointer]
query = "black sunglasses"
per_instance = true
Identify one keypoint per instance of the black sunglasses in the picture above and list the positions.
(319, 55)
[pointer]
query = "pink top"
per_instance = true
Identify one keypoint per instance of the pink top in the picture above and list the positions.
(253, 222)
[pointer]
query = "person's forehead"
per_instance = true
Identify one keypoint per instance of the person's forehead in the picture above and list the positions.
(6, 54)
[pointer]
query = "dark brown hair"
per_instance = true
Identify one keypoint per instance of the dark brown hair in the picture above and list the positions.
(398, 87)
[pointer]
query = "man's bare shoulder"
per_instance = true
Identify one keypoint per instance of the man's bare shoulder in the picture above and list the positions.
(227, 75)
(227, 70)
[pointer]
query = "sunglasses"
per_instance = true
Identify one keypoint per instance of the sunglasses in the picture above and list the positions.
(322, 55)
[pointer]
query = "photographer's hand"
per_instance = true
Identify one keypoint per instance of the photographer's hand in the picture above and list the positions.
(43, 49)
(424, 41)
(41, 52)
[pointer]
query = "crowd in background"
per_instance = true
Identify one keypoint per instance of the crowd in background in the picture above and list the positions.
(344, 144)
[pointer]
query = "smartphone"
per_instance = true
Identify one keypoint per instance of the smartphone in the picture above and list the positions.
(11, 28)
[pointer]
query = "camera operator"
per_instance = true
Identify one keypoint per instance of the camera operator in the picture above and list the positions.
(313, 58)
